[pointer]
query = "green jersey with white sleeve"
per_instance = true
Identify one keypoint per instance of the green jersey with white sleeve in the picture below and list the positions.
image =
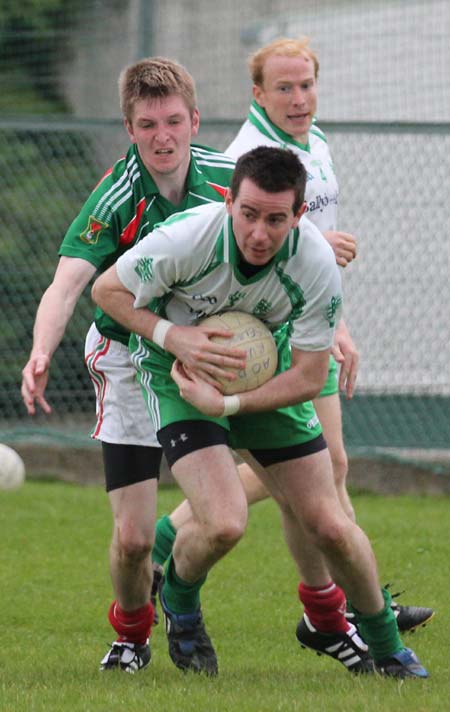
(126, 204)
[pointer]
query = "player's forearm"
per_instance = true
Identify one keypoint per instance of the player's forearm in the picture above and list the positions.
(281, 392)
(53, 315)
(341, 329)
(57, 304)
(118, 302)
(300, 383)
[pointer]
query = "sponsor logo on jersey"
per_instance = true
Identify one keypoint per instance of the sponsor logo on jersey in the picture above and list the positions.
(322, 201)
(92, 233)
(235, 298)
(210, 298)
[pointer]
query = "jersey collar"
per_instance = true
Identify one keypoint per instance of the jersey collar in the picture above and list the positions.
(227, 251)
(195, 174)
(148, 184)
(258, 117)
(194, 177)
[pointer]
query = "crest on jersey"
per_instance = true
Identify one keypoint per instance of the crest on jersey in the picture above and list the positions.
(332, 309)
(144, 269)
(93, 230)
(262, 308)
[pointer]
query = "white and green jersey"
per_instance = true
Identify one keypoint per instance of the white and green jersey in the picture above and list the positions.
(321, 187)
(190, 267)
(126, 204)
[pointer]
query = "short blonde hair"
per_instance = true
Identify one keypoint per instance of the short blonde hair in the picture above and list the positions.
(155, 77)
(282, 47)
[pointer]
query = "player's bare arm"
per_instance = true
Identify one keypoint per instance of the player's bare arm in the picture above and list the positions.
(343, 244)
(117, 301)
(54, 313)
(346, 354)
(189, 344)
(302, 382)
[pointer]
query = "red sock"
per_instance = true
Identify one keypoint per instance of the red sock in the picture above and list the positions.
(325, 607)
(132, 626)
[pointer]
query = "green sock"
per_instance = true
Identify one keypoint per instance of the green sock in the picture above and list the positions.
(165, 534)
(380, 631)
(180, 596)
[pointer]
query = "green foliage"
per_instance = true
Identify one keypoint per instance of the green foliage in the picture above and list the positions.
(35, 14)
(56, 591)
(20, 96)
(33, 221)
(33, 36)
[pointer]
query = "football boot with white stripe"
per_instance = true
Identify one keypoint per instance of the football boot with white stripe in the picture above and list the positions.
(129, 657)
(347, 648)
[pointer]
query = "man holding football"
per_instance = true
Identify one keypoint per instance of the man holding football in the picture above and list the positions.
(255, 254)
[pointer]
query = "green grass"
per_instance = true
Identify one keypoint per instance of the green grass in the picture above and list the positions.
(55, 591)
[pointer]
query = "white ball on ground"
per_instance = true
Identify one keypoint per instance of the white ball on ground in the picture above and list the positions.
(12, 468)
(253, 337)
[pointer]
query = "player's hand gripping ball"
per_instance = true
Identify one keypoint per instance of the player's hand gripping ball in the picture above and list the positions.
(252, 336)
(12, 468)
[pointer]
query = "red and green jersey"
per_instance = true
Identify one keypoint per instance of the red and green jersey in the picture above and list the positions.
(126, 204)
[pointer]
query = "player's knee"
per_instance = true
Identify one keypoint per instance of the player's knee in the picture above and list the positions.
(228, 532)
(332, 534)
(133, 541)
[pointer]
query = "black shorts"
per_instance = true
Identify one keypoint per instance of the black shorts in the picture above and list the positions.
(186, 436)
(128, 464)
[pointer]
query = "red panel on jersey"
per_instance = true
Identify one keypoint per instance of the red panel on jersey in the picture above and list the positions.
(129, 233)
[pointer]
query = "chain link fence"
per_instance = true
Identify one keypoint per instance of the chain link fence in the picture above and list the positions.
(384, 69)
(397, 291)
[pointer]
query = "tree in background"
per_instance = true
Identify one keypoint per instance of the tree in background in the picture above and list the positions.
(33, 39)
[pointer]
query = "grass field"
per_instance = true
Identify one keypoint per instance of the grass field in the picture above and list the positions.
(55, 591)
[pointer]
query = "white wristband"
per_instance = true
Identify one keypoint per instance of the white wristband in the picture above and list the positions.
(231, 405)
(160, 331)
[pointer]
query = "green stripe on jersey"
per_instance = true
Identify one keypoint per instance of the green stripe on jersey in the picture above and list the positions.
(258, 117)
